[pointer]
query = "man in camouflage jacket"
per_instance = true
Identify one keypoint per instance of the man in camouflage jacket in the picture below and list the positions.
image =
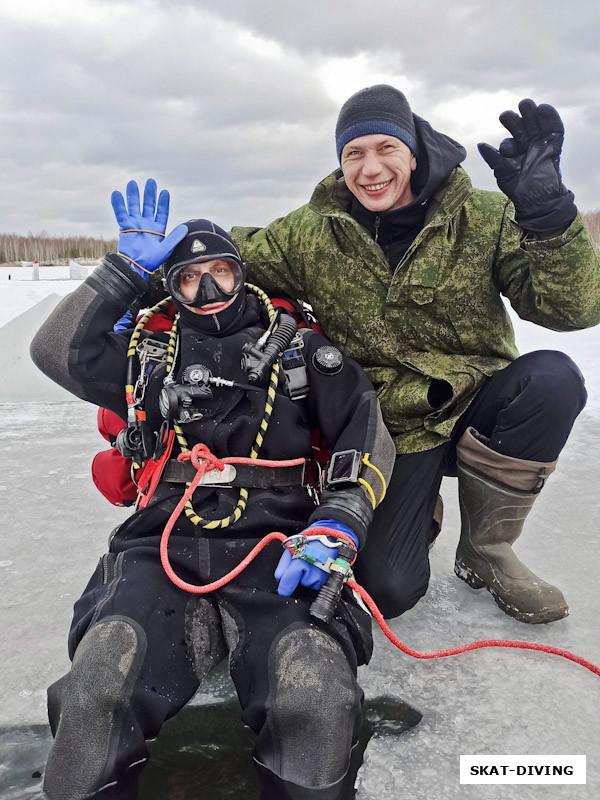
(404, 263)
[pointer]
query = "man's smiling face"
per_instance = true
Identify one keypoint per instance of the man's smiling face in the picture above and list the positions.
(377, 169)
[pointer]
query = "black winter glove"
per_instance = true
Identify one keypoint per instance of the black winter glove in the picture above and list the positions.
(527, 168)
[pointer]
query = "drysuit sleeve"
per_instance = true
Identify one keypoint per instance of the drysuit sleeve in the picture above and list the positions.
(345, 408)
(76, 346)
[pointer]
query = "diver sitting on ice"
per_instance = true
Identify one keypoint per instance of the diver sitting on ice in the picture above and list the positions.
(215, 389)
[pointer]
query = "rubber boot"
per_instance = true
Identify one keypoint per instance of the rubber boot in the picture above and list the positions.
(273, 787)
(496, 493)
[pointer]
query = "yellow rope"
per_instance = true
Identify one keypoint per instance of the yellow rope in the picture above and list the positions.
(370, 491)
(367, 463)
(142, 323)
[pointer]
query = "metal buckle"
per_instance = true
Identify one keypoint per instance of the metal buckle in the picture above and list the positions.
(216, 477)
(297, 343)
(312, 493)
(153, 349)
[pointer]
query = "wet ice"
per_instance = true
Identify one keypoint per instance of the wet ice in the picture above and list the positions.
(55, 526)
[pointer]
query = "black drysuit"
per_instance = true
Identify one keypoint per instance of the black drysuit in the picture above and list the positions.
(140, 646)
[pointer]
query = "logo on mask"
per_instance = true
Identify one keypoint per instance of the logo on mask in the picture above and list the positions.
(198, 246)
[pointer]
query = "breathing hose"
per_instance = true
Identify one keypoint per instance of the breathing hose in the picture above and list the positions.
(277, 342)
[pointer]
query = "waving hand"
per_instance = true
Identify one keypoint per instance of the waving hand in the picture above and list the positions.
(142, 239)
(527, 167)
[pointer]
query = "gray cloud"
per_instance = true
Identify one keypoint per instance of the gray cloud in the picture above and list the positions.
(231, 113)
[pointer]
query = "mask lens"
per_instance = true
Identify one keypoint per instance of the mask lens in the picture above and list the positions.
(202, 283)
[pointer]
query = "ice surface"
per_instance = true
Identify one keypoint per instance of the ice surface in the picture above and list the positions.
(54, 527)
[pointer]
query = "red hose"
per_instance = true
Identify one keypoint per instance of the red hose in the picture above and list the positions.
(204, 460)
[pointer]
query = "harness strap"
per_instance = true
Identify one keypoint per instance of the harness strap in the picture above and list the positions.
(294, 369)
(249, 476)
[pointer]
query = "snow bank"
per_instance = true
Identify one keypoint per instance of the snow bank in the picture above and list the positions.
(21, 379)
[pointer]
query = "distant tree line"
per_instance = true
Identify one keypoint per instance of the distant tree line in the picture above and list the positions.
(14, 248)
(592, 223)
(46, 249)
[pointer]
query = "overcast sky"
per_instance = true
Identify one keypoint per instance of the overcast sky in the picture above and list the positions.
(233, 110)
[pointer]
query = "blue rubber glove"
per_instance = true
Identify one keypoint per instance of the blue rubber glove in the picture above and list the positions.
(293, 571)
(125, 322)
(149, 250)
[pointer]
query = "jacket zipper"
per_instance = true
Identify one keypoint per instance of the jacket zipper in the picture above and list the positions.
(429, 227)
(108, 579)
(345, 217)
(105, 569)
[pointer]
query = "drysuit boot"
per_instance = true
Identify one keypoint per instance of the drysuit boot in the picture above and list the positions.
(496, 493)
(273, 787)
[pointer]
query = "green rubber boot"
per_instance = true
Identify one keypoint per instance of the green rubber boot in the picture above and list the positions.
(496, 493)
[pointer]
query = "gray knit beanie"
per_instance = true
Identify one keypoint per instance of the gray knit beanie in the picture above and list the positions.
(376, 109)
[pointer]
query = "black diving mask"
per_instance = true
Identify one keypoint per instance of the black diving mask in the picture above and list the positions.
(205, 281)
